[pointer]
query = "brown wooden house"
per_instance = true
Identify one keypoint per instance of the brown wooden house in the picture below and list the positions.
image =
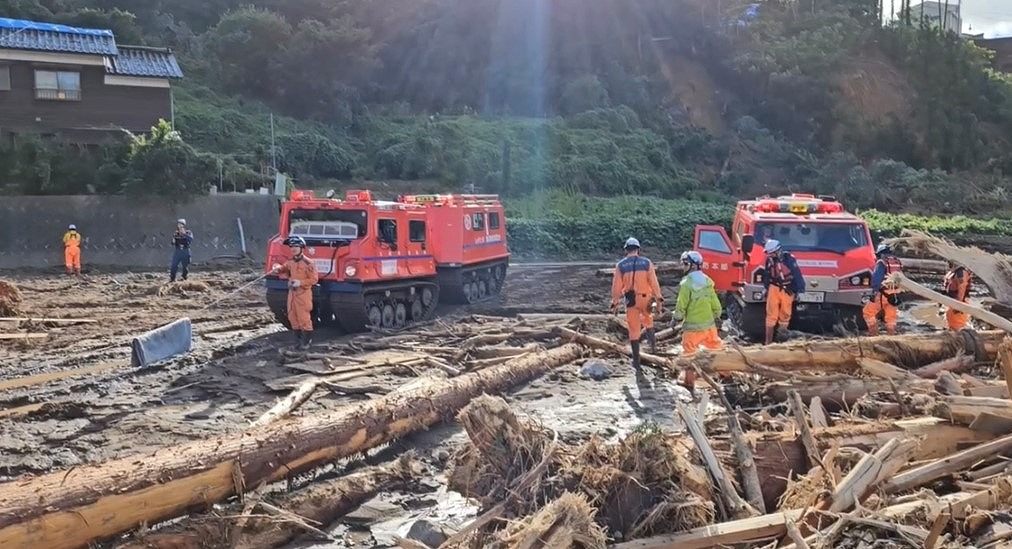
(79, 84)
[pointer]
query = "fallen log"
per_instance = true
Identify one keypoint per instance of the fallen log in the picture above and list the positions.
(976, 312)
(841, 355)
(837, 394)
(954, 364)
(948, 465)
(617, 348)
(70, 509)
(322, 502)
(991, 268)
(964, 409)
(50, 320)
(24, 336)
(736, 532)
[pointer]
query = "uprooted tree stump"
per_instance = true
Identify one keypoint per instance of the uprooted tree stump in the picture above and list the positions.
(643, 485)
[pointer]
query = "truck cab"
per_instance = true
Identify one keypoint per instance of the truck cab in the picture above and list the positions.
(833, 249)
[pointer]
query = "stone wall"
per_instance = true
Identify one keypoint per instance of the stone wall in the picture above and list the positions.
(121, 231)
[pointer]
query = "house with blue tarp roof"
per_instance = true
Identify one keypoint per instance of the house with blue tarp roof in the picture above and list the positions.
(79, 83)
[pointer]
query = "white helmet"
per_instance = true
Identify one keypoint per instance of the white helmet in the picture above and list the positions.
(72, 227)
(181, 221)
(692, 257)
(771, 246)
(631, 243)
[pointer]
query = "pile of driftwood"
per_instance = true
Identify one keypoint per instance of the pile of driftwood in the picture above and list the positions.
(867, 441)
(859, 442)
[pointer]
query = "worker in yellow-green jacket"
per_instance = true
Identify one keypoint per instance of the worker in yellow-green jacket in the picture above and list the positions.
(698, 307)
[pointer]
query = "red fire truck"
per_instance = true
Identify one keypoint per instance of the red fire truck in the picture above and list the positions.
(833, 248)
(388, 263)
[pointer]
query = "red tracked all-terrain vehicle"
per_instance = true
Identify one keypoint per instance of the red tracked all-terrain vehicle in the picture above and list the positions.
(390, 263)
(832, 246)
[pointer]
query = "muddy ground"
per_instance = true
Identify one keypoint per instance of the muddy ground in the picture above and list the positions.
(73, 398)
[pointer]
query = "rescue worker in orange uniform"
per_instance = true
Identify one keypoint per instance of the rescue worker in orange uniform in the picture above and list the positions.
(635, 284)
(783, 282)
(886, 298)
(957, 286)
(302, 276)
(698, 307)
(72, 250)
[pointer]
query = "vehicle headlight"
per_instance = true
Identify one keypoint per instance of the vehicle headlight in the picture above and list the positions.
(855, 280)
(350, 270)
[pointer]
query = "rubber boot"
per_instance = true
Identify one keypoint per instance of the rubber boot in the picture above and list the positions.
(307, 340)
(690, 381)
(298, 338)
(770, 330)
(652, 340)
(635, 354)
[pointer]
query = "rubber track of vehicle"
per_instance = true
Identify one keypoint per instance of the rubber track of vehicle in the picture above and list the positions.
(350, 309)
(453, 282)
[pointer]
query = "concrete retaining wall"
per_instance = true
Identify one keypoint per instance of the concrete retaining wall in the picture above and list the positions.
(131, 231)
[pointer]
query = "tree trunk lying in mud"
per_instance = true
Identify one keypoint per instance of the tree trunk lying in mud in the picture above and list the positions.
(70, 509)
(321, 502)
(841, 355)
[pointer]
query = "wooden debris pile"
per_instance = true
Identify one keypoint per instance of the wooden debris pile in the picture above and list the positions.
(520, 472)
(932, 479)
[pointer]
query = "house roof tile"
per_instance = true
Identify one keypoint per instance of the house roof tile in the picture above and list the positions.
(32, 35)
(143, 61)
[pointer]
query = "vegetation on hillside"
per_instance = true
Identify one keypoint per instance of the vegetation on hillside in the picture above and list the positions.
(601, 97)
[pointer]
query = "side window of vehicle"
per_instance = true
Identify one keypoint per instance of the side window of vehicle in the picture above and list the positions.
(387, 229)
(416, 231)
(478, 222)
(493, 220)
(713, 241)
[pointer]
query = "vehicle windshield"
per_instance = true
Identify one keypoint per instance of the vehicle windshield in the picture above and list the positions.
(327, 224)
(814, 237)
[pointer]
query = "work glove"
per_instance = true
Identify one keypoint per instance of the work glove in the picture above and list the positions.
(276, 268)
(294, 283)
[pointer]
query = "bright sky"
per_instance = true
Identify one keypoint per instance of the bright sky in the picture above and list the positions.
(992, 17)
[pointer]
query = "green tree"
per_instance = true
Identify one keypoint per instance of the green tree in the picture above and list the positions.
(322, 66)
(163, 164)
(245, 46)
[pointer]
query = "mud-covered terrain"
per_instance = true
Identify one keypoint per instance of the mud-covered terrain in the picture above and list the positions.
(72, 397)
